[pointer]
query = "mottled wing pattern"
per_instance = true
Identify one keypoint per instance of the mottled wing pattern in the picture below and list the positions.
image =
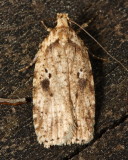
(82, 95)
(63, 91)
(53, 116)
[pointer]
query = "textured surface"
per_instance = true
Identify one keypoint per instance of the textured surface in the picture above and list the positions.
(63, 89)
(21, 33)
(112, 145)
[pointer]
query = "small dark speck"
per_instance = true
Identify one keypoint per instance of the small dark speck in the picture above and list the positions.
(76, 95)
(50, 75)
(51, 94)
(78, 74)
(81, 70)
(46, 70)
(45, 84)
(82, 83)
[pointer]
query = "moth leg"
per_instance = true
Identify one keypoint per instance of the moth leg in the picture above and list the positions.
(99, 58)
(15, 102)
(33, 61)
(48, 29)
(84, 25)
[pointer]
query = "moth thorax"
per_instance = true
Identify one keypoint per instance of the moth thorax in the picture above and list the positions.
(63, 38)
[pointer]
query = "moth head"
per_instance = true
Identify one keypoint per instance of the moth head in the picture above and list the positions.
(62, 20)
(62, 15)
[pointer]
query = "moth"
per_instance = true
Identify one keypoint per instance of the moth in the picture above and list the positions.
(63, 89)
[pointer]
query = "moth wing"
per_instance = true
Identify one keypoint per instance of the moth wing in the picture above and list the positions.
(82, 94)
(63, 94)
(53, 110)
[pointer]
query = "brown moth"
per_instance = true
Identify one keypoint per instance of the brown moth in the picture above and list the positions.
(63, 89)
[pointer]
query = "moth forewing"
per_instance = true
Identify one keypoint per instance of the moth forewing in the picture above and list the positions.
(63, 89)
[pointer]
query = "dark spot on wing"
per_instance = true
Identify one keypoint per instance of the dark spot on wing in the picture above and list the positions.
(76, 95)
(82, 83)
(51, 94)
(45, 84)
(35, 74)
(46, 70)
(78, 74)
(50, 75)
(91, 87)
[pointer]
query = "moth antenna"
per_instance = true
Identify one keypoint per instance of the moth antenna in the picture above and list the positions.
(99, 44)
